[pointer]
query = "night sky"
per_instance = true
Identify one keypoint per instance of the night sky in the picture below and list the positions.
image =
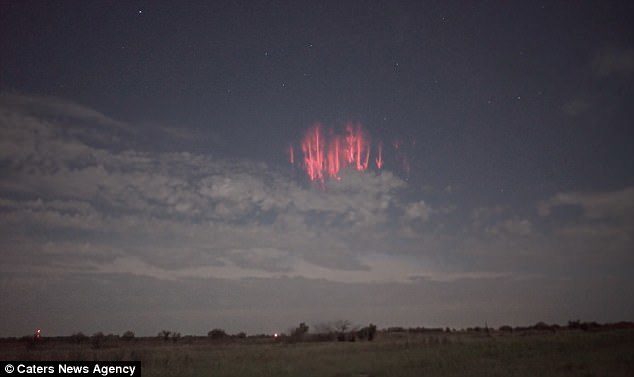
(145, 181)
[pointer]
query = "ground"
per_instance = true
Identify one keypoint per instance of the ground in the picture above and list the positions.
(564, 353)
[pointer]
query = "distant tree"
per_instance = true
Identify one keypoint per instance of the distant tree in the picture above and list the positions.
(541, 326)
(217, 334)
(367, 332)
(506, 328)
(341, 326)
(78, 337)
(300, 331)
(241, 335)
(164, 334)
(574, 324)
(128, 335)
(97, 339)
(175, 336)
(371, 332)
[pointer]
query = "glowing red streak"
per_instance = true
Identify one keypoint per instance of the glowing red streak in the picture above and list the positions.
(291, 153)
(325, 156)
(313, 150)
(379, 158)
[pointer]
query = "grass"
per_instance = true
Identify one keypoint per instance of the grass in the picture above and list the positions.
(566, 353)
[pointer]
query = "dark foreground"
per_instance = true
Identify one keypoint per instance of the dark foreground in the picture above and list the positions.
(565, 353)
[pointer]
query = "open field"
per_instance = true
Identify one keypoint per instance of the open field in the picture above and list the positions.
(565, 353)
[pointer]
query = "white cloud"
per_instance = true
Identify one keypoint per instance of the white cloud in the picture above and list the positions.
(595, 205)
(183, 211)
(418, 211)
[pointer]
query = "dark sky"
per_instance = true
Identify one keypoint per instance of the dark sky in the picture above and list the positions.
(144, 181)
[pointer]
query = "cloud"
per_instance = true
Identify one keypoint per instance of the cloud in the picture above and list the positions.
(514, 226)
(617, 204)
(165, 212)
(46, 107)
(418, 211)
(86, 208)
(614, 62)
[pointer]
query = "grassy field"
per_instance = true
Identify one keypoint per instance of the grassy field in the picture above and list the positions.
(565, 353)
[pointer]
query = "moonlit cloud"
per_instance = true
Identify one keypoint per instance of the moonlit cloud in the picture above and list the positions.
(84, 205)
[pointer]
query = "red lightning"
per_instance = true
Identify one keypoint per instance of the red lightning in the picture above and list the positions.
(379, 157)
(325, 154)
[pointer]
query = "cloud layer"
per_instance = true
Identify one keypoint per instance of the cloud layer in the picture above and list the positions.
(86, 205)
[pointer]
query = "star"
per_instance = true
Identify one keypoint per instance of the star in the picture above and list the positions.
(140, 11)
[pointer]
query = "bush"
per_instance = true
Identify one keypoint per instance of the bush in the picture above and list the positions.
(217, 334)
(164, 334)
(78, 337)
(367, 333)
(97, 339)
(128, 335)
(175, 336)
(299, 332)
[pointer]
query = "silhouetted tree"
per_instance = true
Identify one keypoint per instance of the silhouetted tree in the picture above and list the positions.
(371, 332)
(367, 332)
(97, 339)
(128, 335)
(300, 331)
(175, 336)
(164, 334)
(217, 334)
(78, 337)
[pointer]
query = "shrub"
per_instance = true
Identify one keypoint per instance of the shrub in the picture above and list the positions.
(128, 335)
(299, 332)
(368, 332)
(175, 336)
(78, 337)
(217, 334)
(164, 334)
(97, 339)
